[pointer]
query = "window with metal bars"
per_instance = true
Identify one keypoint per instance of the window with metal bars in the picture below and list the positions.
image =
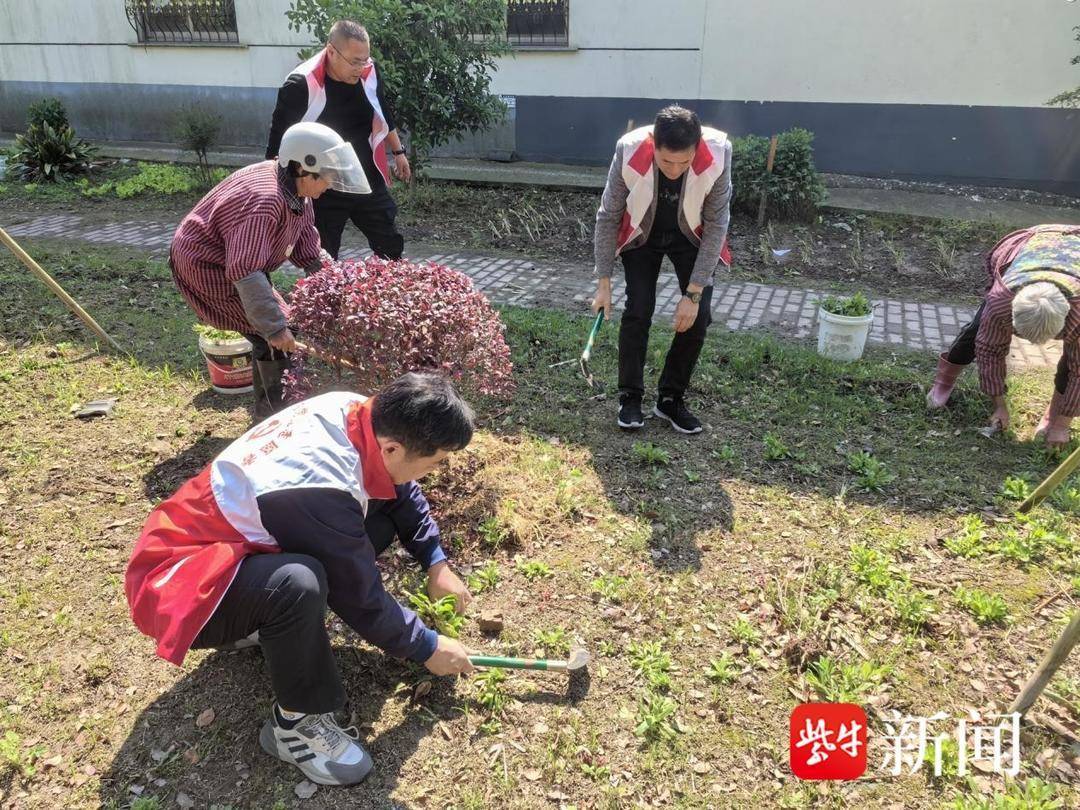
(538, 23)
(183, 20)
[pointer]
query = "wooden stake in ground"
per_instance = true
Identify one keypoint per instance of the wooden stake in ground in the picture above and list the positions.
(768, 171)
(1048, 668)
(1053, 480)
(50, 282)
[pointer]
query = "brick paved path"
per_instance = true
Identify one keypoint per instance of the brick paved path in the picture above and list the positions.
(736, 305)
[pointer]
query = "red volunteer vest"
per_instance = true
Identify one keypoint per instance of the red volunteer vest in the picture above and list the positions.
(193, 543)
(639, 174)
(314, 71)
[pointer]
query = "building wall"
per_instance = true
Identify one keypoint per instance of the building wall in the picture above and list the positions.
(910, 88)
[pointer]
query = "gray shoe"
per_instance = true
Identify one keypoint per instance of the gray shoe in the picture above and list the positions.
(325, 753)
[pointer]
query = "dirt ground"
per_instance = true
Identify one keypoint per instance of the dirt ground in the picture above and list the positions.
(718, 580)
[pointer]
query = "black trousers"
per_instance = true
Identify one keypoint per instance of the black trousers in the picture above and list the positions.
(373, 214)
(283, 596)
(962, 351)
(642, 270)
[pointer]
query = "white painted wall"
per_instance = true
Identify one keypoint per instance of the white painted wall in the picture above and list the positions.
(968, 52)
(103, 46)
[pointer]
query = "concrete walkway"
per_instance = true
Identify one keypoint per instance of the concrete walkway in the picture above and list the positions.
(736, 306)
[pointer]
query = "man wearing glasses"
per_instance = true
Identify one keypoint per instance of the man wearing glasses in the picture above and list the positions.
(339, 87)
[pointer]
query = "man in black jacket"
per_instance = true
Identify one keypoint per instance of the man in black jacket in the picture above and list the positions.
(339, 87)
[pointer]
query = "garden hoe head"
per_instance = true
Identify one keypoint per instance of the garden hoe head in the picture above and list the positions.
(578, 659)
(587, 353)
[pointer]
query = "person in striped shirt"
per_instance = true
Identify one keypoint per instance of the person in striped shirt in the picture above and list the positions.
(247, 226)
(1034, 293)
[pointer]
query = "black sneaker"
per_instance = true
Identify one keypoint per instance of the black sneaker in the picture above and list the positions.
(675, 411)
(630, 415)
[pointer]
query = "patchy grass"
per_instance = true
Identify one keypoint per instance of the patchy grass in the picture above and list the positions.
(713, 603)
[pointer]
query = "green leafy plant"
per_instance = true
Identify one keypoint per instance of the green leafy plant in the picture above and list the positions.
(1031, 794)
(844, 683)
(971, 540)
(214, 334)
(1020, 547)
(436, 57)
(725, 453)
(985, 607)
(15, 757)
(872, 472)
(775, 449)
(197, 131)
(656, 718)
(871, 568)
(1067, 499)
(649, 453)
(49, 110)
(913, 608)
(441, 614)
(722, 670)
(794, 187)
(1015, 488)
(533, 569)
(858, 305)
(610, 586)
(652, 662)
(484, 578)
(744, 632)
(491, 691)
(492, 531)
(555, 641)
(44, 153)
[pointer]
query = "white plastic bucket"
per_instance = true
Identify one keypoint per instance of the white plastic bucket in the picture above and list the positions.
(842, 337)
(228, 362)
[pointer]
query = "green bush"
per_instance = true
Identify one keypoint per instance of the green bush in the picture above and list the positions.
(46, 153)
(197, 131)
(49, 110)
(794, 187)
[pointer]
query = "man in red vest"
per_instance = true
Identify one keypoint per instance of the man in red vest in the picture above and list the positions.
(340, 87)
(667, 194)
(287, 521)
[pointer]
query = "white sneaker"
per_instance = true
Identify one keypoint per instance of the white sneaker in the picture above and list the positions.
(326, 753)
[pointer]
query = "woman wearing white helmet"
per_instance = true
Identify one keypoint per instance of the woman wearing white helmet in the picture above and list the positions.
(247, 226)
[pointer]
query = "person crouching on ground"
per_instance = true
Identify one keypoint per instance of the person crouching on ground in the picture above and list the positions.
(247, 226)
(668, 193)
(1034, 293)
(287, 521)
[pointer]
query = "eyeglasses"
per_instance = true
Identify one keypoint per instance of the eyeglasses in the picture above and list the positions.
(352, 62)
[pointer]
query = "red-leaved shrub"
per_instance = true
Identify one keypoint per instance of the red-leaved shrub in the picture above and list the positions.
(384, 319)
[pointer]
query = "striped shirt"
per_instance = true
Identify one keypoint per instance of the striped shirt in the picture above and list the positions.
(248, 223)
(996, 330)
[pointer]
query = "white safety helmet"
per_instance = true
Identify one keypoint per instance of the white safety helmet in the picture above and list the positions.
(320, 150)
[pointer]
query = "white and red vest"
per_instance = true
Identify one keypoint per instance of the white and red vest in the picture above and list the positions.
(314, 71)
(639, 174)
(192, 544)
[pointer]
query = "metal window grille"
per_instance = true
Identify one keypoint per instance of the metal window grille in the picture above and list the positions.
(538, 22)
(183, 20)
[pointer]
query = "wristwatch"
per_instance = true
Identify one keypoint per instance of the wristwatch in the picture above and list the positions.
(695, 297)
(397, 151)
